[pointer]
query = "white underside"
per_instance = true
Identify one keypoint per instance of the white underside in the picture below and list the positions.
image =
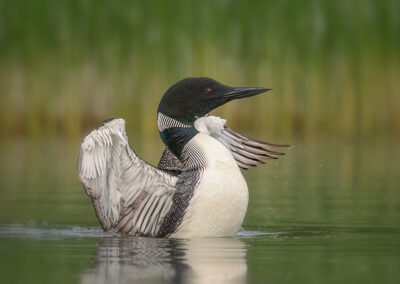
(219, 203)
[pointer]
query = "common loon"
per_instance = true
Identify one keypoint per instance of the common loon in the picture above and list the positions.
(197, 189)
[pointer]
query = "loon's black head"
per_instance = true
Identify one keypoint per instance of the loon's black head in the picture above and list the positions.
(192, 98)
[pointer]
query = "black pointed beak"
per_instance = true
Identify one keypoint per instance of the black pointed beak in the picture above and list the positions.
(244, 92)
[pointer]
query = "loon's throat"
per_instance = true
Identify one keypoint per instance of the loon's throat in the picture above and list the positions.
(175, 133)
(166, 122)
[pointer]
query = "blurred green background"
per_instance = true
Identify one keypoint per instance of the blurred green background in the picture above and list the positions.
(334, 66)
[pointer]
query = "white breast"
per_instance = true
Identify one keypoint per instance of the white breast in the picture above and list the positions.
(219, 203)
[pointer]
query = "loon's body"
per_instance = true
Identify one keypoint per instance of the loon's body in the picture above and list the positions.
(220, 198)
(197, 190)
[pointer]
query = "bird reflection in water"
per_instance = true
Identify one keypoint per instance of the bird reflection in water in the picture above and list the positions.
(128, 259)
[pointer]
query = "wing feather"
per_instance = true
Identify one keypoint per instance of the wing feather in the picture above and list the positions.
(248, 152)
(125, 190)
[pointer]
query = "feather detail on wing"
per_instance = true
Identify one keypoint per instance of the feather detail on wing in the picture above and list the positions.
(247, 152)
(128, 194)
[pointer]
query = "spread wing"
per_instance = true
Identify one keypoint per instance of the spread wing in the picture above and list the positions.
(248, 152)
(128, 194)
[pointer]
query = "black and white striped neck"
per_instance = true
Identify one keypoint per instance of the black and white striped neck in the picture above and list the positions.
(175, 133)
(193, 156)
(166, 122)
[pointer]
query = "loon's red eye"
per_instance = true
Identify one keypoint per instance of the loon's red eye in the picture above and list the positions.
(209, 91)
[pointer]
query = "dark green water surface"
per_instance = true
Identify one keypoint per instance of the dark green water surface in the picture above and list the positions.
(327, 212)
